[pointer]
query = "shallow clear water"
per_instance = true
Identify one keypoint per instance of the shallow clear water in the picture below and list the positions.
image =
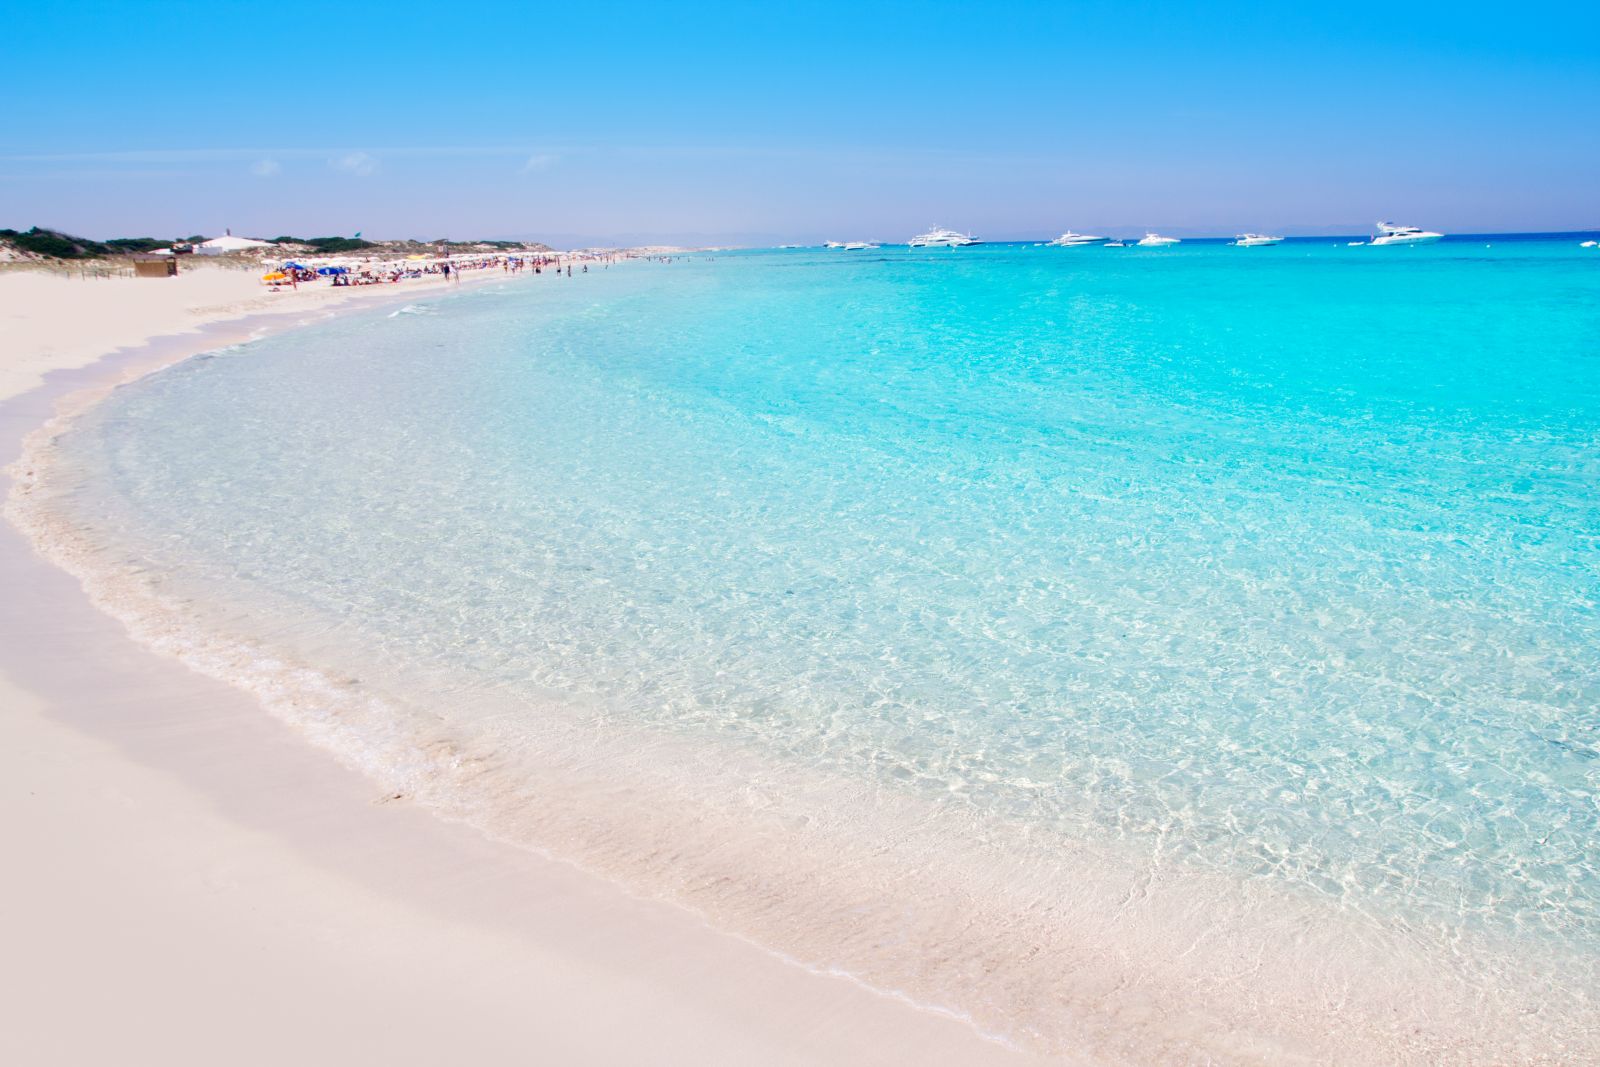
(1281, 562)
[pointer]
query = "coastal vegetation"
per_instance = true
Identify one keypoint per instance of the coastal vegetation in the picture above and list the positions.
(327, 245)
(41, 243)
(51, 244)
(333, 246)
(342, 245)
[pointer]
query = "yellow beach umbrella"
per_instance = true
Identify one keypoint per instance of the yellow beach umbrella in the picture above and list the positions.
(275, 276)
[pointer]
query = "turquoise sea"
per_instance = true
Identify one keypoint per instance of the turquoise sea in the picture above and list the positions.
(1185, 655)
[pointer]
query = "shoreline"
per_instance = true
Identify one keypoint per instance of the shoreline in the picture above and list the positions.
(1110, 974)
(224, 871)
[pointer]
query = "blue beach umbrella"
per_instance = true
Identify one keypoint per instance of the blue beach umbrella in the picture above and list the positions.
(333, 270)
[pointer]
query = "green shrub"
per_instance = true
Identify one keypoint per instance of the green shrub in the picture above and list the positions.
(55, 245)
(334, 245)
(135, 244)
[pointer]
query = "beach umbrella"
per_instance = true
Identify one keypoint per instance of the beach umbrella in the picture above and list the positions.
(275, 276)
(294, 266)
(333, 270)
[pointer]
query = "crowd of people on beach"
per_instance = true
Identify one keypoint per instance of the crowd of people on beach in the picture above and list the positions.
(345, 272)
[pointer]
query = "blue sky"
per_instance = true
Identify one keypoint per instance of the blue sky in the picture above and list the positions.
(584, 122)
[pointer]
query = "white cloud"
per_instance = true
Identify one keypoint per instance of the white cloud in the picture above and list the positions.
(539, 161)
(266, 168)
(357, 163)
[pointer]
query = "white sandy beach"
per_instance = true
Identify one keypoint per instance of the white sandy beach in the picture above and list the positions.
(191, 882)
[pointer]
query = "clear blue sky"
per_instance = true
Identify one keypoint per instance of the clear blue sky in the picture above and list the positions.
(581, 121)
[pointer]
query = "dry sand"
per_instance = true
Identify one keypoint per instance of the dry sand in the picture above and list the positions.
(187, 881)
(52, 321)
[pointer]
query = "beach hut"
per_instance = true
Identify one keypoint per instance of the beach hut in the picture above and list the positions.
(155, 266)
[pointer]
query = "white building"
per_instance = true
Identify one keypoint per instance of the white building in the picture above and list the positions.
(218, 246)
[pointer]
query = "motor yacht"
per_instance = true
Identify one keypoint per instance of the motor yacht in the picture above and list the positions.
(1076, 240)
(1256, 240)
(833, 244)
(1155, 240)
(939, 237)
(859, 246)
(1390, 234)
(1116, 244)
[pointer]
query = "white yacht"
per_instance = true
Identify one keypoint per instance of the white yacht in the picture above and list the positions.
(1116, 244)
(833, 244)
(859, 246)
(1390, 234)
(1155, 240)
(939, 237)
(1590, 244)
(1256, 240)
(1076, 240)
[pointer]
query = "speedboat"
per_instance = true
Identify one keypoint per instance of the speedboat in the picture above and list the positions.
(1256, 240)
(939, 237)
(1155, 240)
(1390, 234)
(1590, 244)
(859, 246)
(833, 244)
(1076, 240)
(1116, 244)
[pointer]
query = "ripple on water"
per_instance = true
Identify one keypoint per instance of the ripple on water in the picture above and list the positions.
(1145, 657)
